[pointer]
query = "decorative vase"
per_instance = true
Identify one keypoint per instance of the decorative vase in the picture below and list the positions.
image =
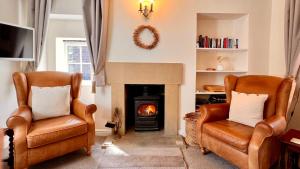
(220, 67)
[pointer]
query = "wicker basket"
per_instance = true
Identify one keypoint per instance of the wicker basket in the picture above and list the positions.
(190, 128)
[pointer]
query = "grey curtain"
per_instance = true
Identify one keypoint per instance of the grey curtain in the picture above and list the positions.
(292, 45)
(95, 14)
(39, 11)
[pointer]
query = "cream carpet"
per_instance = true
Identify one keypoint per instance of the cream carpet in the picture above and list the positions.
(142, 149)
(196, 160)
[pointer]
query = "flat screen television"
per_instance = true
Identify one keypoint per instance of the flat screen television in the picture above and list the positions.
(16, 43)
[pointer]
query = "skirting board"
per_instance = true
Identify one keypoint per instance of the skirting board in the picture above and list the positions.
(103, 132)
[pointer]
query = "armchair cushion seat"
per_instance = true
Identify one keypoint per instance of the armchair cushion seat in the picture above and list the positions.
(234, 134)
(53, 130)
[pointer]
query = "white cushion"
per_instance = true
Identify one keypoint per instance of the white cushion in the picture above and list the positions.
(48, 102)
(247, 109)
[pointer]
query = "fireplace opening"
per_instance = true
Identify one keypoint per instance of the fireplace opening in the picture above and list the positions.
(147, 110)
(144, 107)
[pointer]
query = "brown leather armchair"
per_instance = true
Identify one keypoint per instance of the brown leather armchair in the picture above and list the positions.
(245, 146)
(37, 141)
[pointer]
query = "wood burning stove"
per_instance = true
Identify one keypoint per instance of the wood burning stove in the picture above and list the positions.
(144, 107)
(148, 112)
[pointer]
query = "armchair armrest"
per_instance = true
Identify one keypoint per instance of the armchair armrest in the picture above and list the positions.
(85, 112)
(21, 117)
(209, 113)
(20, 122)
(276, 123)
(261, 140)
(82, 110)
(214, 112)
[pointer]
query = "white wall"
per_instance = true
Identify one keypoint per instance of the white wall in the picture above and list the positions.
(67, 7)
(277, 59)
(277, 51)
(8, 101)
(61, 29)
(175, 20)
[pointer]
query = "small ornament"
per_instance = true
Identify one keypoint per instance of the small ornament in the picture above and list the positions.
(220, 66)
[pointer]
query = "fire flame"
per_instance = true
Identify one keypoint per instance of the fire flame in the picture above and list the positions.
(147, 110)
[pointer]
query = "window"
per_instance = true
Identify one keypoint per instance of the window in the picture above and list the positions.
(78, 58)
(72, 55)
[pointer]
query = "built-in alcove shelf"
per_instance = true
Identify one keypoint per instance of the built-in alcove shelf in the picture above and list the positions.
(221, 49)
(235, 60)
(221, 71)
(208, 93)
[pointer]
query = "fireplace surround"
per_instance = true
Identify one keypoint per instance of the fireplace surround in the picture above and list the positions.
(168, 74)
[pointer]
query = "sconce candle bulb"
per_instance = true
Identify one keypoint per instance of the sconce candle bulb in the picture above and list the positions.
(140, 7)
(144, 7)
(152, 2)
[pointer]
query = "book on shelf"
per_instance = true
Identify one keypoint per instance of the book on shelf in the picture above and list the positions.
(208, 42)
(224, 42)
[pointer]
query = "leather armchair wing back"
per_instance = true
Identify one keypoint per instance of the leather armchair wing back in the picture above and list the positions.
(278, 90)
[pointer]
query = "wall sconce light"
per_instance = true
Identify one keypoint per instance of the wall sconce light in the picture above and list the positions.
(146, 7)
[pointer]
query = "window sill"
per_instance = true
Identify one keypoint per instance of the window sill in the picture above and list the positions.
(86, 83)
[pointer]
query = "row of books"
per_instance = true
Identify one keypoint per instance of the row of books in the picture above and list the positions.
(207, 42)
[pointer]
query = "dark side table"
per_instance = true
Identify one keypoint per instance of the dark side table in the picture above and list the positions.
(289, 151)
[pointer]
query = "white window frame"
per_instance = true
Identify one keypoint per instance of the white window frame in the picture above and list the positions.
(62, 63)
